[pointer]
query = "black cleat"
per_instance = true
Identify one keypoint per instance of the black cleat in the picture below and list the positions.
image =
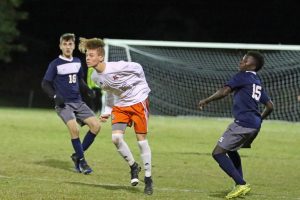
(135, 170)
(84, 167)
(148, 186)
(76, 162)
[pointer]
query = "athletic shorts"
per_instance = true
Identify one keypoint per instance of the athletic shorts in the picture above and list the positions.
(79, 111)
(136, 114)
(236, 137)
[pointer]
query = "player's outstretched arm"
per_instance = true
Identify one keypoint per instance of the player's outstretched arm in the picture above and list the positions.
(221, 93)
(269, 107)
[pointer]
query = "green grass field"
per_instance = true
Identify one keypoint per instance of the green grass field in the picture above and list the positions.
(35, 160)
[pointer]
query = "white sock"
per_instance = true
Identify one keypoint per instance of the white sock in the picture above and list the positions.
(123, 148)
(146, 156)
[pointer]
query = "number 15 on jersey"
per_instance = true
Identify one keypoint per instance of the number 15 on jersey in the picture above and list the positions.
(256, 92)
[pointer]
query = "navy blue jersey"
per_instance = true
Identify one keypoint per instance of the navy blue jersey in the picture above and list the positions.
(65, 75)
(248, 92)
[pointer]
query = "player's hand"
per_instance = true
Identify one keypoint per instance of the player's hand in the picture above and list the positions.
(104, 117)
(91, 94)
(59, 101)
(202, 103)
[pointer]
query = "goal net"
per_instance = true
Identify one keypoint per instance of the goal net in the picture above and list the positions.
(182, 73)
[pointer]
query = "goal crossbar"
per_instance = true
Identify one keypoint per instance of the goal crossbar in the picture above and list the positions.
(211, 45)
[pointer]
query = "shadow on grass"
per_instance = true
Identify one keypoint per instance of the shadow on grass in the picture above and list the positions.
(193, 153)
(201, 154)
(109, 186)
(219, 194)
(58, 164)
(222, 194)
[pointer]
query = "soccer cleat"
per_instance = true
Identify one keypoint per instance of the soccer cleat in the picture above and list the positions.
(135, 170)
(84, 167)
(76, 162)
(148, 186)
(238, 190)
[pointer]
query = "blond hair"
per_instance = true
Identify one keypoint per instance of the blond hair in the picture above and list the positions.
(92, 43)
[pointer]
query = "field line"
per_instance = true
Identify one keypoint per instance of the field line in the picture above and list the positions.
(100, 184)
(125, 186)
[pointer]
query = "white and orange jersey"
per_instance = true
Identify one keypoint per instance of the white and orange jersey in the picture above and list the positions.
(124, 82)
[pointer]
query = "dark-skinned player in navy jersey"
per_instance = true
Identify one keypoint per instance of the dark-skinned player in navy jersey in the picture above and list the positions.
(63, 82)
(248, 92)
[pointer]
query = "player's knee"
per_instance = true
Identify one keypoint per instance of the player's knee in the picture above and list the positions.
(95, 127)
(213, 154)
(74, 132)
(117, 138)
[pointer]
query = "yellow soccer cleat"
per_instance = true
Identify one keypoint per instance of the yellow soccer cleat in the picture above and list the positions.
(238, 191)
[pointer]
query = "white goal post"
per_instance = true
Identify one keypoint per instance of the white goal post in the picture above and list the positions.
(181, 73)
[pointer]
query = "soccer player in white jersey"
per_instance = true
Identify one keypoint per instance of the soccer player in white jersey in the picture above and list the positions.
(126, 102)
(62, 82)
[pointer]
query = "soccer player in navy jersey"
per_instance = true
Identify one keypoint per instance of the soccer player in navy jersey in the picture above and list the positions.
(63, 82)
(248, 92)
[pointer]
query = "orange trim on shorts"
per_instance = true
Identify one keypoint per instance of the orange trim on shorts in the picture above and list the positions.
(136, 114)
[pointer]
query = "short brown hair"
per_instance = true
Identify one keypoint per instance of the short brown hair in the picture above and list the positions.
(67, 36)
(92, 43)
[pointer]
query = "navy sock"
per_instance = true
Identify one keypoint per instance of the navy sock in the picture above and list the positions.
(236, 159)
(88, 140)
(226, 164)
(77, 147)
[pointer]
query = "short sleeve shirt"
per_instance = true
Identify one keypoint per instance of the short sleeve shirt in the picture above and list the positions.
(248, 92)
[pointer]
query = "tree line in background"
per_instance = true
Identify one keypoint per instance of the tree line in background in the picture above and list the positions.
(9, 17)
